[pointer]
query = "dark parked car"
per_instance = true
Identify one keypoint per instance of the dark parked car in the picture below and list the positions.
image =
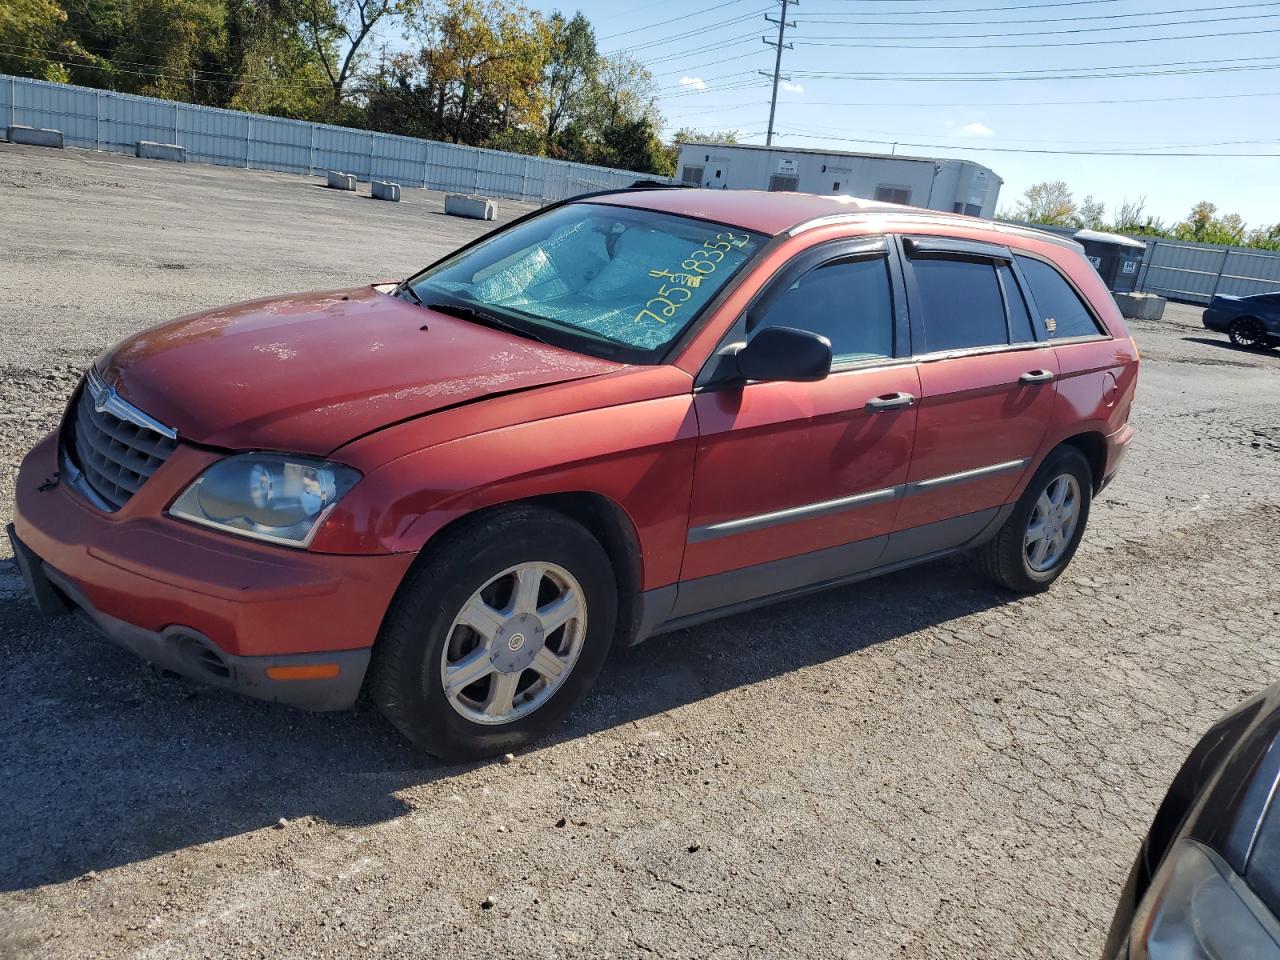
(1249, 321)
(1206, 883)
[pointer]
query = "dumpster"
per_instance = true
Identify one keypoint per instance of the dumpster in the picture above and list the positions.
(1117, 259)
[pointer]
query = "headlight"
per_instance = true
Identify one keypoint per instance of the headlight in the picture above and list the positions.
(266, 496)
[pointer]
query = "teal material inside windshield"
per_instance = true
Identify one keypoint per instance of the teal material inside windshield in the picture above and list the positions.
(630, 277)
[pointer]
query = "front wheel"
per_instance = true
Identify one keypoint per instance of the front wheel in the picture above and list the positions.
(1041, 535)
(495, 634)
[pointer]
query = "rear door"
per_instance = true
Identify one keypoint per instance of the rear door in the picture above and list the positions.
(987, 388)
(797, 483)
(1091, 377)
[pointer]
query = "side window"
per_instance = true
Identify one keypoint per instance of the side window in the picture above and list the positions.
(847, 301)
(1064, 315)
(962, 306)
(1019, 316)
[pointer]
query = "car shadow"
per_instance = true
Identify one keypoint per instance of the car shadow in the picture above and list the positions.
(107, 762)
(1228, 345)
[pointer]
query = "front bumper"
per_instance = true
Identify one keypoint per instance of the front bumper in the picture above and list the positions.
(271, 622)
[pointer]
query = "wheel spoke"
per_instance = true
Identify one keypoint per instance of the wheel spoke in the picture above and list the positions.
(1060, 490)
(481, 618)
(502, 694)
(1035, 531)
(528, 582)
(458, 676)
(1040, 552)
(559, 611)
(1044, 506)
(548, 665)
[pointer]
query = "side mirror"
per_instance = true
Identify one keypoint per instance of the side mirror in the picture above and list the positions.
(784, 353)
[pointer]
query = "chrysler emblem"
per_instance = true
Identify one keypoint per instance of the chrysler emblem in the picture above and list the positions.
(103, 399)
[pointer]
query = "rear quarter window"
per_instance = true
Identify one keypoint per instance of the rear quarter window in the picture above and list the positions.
(1063, 312)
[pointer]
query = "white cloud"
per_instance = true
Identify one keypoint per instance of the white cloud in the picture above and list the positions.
(790, 87)
(697, 83)
(977, 129)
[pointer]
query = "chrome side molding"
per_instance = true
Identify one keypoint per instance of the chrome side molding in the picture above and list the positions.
(808, 511)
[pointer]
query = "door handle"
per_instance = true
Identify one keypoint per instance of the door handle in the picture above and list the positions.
(1036, 376)
(890, 401)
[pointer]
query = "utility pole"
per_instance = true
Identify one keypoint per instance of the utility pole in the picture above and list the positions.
(777, 62)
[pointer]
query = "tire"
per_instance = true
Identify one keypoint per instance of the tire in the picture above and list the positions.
(422, 637)
(1249, 332)
(1008, 558)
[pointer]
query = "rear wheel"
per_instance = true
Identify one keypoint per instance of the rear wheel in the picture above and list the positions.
(496, 634)
(1249, 332)
(1041, 535)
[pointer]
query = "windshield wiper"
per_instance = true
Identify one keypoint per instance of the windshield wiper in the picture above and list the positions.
(467, 312)
(407, 287)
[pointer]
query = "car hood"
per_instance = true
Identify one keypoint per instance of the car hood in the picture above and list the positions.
(309, 372)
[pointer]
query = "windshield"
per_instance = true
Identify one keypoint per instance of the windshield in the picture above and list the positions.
(610, 281)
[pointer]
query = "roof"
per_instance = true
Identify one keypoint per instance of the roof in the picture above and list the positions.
(764, 211)
(1115, 238)
(774, 212)
(818, 151)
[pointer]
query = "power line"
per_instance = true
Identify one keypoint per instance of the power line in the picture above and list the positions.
(1077, 153)
(1133, 144)
(922, 13)
(816, 18)
(644, 45)
(1032, 46)
(1050, 33)
(1055, 73)
(664, 22)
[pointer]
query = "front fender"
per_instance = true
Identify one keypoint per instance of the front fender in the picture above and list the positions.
(639, 456)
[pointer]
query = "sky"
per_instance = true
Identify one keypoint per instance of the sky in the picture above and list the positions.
(866, 74)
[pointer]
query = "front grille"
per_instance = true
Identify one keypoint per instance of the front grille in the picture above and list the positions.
(116, 454)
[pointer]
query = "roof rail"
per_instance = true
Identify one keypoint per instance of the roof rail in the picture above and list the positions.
(936, 216)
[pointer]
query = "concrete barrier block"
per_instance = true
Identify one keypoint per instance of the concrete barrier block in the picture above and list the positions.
(385, 190)
(150, 150)
(1140, 306)
(342, 181)
(35, 137)
(477, 208)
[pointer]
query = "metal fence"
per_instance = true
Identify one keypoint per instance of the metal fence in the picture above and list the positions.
(1186, 270)
(1199, 271)
(105, 120)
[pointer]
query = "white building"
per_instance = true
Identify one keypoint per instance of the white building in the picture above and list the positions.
(956, 186)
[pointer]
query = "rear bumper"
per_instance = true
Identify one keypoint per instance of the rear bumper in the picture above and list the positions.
(199, 603)
(1117, 448)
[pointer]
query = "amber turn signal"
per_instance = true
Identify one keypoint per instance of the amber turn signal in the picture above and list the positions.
(310, 671)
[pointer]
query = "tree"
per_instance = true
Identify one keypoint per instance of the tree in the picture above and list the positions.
(570, 70)
(692, 135)
(475, 78)
(1131, 217)
(33, 41)
(1204, 226)
(1090, 214)
(329, 23)
(1050, 203)
(1265, 238)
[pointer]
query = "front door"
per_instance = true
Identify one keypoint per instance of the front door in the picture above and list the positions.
(986, 393)
(798, 483)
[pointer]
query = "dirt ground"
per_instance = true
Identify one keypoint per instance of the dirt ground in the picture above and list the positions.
(920, 766)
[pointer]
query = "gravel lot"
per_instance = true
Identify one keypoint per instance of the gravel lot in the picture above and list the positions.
(917, 767)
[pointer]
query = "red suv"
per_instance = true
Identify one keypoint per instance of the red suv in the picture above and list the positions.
(618, 416)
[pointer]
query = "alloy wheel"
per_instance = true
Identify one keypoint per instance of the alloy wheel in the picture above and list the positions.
(513, 643)
(1248, 332)
(1052, 523)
